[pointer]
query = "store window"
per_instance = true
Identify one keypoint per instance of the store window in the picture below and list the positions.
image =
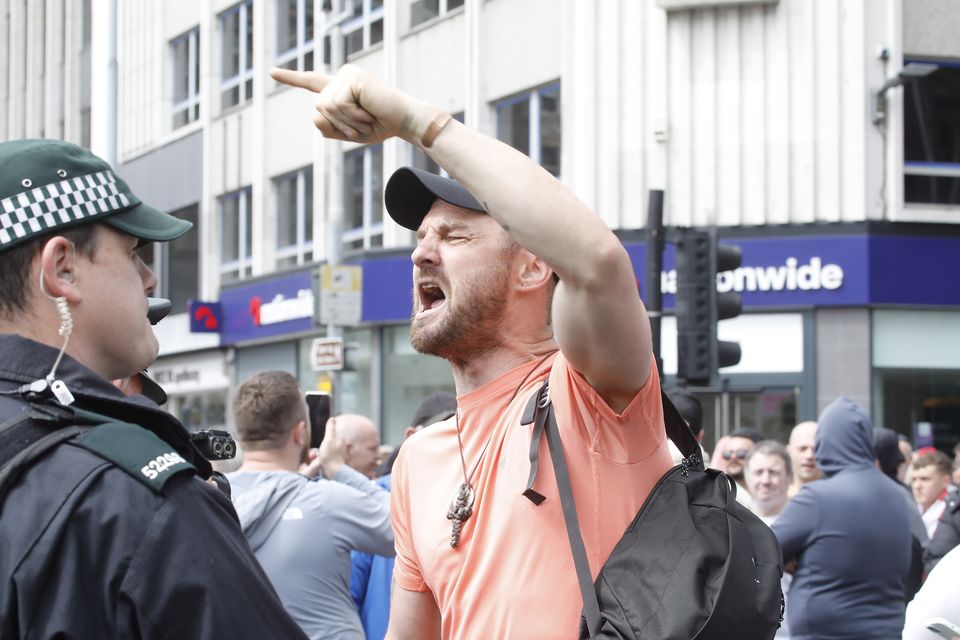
(931, 135)
(407, 378)
(356, 381)
(365, 29)
(916, 375)
(294, 217)
(363, 198)
(186, 78)
(923, 405)
(772, 411)
(423, 10)
(177, 263)
(202, 410)
(530, 123)
(236, 55)
(236, 245)
(295, 34)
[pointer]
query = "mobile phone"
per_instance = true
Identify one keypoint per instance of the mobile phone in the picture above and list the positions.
(318, 409)
(943, 628)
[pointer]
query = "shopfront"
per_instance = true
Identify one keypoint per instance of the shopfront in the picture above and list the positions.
(868, 311)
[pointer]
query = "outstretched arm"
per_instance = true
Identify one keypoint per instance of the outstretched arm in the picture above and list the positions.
(599, 320)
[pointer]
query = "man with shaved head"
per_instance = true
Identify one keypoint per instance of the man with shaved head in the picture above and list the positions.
(361, 443)
(800, 446)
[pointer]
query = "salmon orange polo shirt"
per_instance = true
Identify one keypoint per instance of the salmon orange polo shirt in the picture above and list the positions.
(512, 573)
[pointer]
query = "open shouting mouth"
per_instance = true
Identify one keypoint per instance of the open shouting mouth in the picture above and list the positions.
(430, 296)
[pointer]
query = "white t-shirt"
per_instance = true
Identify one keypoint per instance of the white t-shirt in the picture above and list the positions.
(932, 516)
(939, 597)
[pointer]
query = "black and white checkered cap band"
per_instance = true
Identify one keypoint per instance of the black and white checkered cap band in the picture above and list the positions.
(44, 208)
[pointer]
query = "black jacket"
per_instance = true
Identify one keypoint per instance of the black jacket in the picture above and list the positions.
(88, 551)
(947, 534)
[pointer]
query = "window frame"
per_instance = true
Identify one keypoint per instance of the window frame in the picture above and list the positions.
(302, 248)
(926, 168)
(303, 47)
(244, 74)
(534, 135)
(193, 78)
(243, 265)
(362, 22)
(370, 230)
(443, 9)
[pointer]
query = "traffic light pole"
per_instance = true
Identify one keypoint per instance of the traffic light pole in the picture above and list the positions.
(653, 299)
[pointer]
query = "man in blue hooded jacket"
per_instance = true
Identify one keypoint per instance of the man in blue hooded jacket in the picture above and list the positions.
(850, 535)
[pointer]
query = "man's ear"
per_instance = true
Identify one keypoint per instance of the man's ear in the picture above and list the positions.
(299, 432)
(58, 268)
(534, 272)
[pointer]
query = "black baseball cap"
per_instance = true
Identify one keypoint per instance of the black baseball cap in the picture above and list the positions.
(48, 186)
(410, 193)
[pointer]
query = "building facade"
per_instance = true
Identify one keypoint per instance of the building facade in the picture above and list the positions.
(798, 128)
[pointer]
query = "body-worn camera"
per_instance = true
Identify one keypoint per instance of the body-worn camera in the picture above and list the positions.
(214, 444)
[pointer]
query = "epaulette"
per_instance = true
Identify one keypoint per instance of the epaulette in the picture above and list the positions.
(137, 451)
(27, 436)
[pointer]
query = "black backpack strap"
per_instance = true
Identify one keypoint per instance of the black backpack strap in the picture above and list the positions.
(679, 432)
(546, 422)
(14, 465)
(530, 415)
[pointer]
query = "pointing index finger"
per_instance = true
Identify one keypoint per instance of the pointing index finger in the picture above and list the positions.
(310, 80)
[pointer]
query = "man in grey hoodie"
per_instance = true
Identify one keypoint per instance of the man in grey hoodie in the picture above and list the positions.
(302, 530)
(850, 535)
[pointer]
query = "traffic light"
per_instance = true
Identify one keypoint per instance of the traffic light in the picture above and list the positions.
(699, 306)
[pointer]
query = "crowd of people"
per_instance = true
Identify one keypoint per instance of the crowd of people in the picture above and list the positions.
(107, 503)
(863, 521)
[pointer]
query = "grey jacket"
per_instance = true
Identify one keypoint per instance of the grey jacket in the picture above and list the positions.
(302, 531)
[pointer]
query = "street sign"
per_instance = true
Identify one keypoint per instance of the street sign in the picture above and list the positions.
(341, 288)
(326, 354)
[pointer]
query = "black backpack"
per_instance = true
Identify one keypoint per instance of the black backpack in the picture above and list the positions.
(693, 564)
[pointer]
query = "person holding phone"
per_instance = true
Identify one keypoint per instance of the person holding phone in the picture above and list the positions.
(302, 528)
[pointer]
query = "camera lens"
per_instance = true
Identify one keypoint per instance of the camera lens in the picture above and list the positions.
(217, 448)
(228, 450)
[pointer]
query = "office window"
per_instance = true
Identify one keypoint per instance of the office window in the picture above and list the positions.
(530, 123)
(423, 10)
(931, 136)
(236, 246)
(294, 217)
(365, 29)
(236, 55)
(177, 263)
(186, 77)
(363, 198)
(295, 34)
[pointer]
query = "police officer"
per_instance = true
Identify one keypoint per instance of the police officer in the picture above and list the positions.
(108, 529)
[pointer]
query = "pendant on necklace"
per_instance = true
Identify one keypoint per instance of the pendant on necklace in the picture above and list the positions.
(461, 508)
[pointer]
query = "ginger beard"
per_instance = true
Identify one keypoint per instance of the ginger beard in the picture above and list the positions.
(466, 320)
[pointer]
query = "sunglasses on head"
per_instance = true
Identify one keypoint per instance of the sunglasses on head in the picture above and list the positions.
(740, 454)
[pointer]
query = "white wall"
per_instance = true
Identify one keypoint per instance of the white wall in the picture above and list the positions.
(745, 115)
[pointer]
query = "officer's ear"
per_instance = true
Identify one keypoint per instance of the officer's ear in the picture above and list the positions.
(58, 267)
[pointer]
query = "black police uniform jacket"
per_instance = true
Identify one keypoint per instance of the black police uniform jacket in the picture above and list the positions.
(88, 551)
